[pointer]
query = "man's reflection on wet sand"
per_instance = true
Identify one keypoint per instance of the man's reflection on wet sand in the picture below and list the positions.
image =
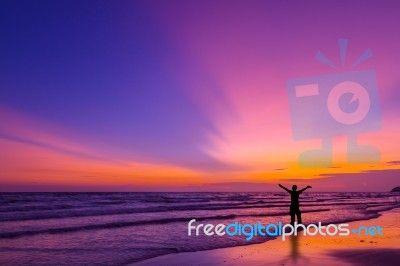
(295, 253)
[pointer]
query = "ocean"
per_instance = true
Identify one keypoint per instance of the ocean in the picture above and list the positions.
(123, 228)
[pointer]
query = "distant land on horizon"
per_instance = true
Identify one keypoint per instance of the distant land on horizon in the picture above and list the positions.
(396, 189)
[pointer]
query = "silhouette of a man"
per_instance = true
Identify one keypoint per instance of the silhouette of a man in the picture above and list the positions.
(294, 205)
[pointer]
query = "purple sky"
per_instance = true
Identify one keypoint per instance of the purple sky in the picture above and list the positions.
(192, 88)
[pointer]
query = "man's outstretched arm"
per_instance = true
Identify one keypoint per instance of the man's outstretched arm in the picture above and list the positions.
(284, 188)
(301, 190)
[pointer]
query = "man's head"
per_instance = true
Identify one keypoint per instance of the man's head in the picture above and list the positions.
(294, 188)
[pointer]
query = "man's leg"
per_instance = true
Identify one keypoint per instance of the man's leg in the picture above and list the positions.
(292, 215)
(298, 214)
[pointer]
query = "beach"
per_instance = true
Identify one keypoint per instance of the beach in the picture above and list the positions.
(305, 250)
(152, 228)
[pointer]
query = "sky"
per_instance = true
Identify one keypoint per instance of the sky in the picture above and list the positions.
(184, 95)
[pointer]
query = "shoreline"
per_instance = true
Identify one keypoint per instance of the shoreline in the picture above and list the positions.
(311, 250)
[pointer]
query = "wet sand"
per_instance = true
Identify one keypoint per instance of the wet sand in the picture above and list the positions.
(305, 250)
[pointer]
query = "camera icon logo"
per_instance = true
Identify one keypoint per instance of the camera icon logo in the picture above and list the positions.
(325, 106)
